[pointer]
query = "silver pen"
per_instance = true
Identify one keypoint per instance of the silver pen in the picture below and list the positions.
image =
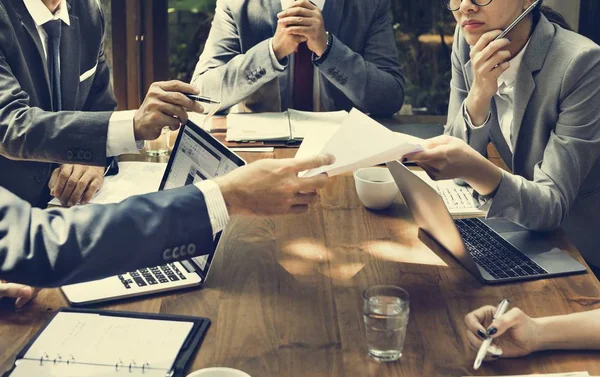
(486, 343)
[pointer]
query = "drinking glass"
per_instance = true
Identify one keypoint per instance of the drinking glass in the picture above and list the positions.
(160, 146)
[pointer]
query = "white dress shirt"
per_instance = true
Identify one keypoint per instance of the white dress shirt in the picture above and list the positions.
(504, 98)
(120, 138)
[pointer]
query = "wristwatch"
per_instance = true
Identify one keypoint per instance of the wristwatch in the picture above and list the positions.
(320, 59)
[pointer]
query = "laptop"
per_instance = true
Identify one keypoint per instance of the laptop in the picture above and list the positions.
(494, 250)
(196, 156)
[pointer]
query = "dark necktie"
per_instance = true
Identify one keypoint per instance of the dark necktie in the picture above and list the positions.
(53, 29)
(303, 79)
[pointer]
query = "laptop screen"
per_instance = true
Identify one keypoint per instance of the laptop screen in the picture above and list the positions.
(197, 156)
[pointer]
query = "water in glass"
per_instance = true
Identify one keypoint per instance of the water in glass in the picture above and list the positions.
(385, 324)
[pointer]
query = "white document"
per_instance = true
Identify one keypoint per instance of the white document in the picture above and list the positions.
(134, 178)
(568, 374)
(289, 125)
(458, 199)
(359, 142)
(104, 345)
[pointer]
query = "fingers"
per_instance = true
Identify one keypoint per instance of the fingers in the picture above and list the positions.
(23, 300)
(305, 198)
(297, 209)
(67, 181)
(474, 341)
(493, 49)
(312, 183)
(296, 11)
(312, 162)
(303, 4)
(53, 180)
(171, 110)
(512, 318)
(22, 293)
(476, 320)
(484, 40)
(91, 190)
(176, 86)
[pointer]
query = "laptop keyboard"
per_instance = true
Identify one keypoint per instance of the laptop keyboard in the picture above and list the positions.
(493, 253)
(152, 276)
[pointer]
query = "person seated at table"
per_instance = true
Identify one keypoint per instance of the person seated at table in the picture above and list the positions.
(302, 57)
(535, 96)
(515, 334)
(69, 245)
(53, 73)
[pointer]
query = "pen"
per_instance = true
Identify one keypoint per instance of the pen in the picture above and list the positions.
(486, 343)
(194, 97)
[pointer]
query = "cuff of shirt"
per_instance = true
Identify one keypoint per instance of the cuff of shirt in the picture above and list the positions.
(120, 138)
(215, 204)
(468, 120)
(276, 64)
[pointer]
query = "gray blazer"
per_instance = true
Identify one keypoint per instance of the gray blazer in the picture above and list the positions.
(64, 246)
(555, 135)
(28, 130)
(361, 70)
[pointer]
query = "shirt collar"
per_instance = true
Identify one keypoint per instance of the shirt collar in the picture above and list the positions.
(509, 76)
(41, 14)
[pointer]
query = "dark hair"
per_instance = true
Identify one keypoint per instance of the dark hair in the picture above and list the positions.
(552, 15)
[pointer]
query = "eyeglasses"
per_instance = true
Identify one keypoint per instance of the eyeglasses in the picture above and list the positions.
(454, 5)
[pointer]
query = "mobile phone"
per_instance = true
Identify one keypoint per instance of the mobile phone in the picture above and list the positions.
(517, 20)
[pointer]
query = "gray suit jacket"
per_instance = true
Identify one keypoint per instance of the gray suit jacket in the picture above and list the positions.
(64, 246)
(360, 71)
(28, 130)
(555, 135)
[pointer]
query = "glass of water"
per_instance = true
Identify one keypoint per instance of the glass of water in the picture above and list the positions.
(385, 311)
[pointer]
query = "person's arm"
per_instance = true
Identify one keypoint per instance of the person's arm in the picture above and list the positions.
(64, 246)
(373, 79)
(223, 71)
(570, 332)
(458, 125)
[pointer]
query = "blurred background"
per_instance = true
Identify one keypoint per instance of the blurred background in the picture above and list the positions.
(162, 39)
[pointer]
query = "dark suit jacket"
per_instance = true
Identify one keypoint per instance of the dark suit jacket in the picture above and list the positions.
(64, 246)
(28, 130)
(361, 70)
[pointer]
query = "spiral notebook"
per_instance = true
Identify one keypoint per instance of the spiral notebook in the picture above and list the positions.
(81, 342)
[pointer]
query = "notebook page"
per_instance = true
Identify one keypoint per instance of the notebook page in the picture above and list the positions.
(458, 199)
(568, 374)
(31, 368)
(106, 340)
(303, 122)
(258, 126)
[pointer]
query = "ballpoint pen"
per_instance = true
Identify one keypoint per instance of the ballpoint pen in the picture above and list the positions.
(486, 343)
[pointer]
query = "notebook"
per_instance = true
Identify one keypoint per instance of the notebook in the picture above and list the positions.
(568, 374)
(290, 126)
(80, 342)
(458, 199)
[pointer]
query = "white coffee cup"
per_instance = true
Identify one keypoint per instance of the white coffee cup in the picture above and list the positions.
(218, 372)
(375, 187)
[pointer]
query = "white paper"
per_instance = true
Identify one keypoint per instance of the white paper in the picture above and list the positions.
(134, 178)
(31, 368)
(257, 126)
(304, 122)
(458, 199)
(85, 338)
(568, 374)
(360, 142)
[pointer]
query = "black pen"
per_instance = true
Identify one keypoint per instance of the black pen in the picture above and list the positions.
(201, 99)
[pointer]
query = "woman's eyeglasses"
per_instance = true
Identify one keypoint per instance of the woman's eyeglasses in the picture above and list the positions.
(454, 5)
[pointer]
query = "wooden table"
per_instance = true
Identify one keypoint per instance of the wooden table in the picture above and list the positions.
(284, 296)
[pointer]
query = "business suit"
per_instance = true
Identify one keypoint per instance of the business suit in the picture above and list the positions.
(555, 135)
(64, 246)
(361, 69)
(78, 133)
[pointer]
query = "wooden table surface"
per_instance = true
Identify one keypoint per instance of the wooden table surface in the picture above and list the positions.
(284, 297)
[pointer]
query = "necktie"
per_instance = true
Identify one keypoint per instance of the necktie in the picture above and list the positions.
(303, 79)
(53, 29)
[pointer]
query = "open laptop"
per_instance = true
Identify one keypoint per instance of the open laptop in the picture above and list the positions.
(196, 156)
(494, 250)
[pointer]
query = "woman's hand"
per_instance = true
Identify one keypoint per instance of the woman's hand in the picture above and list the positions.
(515, 334)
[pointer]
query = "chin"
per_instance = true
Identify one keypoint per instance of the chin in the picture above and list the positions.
(472, 38)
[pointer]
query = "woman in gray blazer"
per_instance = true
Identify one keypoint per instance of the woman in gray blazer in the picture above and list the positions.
(536, 96)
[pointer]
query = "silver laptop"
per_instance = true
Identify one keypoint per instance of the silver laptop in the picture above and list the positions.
(493, 250)
(196, 156)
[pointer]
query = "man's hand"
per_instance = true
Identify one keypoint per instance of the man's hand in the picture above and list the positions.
(22, 293)
(285, 43)
(272, 187)
(72, 184)
(165, 105)
(304, 19)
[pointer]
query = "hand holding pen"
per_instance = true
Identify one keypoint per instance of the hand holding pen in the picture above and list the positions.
(513, 334)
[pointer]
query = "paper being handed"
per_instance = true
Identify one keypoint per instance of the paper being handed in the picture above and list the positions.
(359, 142)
